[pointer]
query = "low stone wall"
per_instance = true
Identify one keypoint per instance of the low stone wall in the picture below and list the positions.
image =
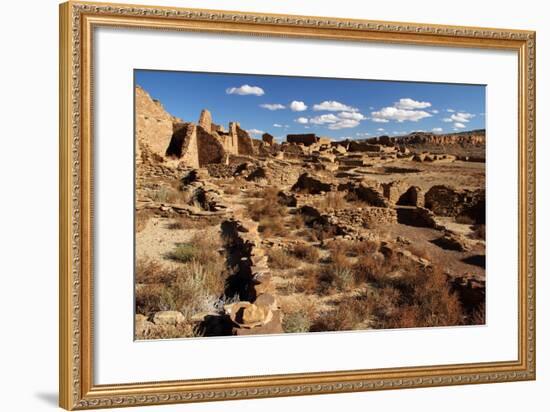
(366, 216)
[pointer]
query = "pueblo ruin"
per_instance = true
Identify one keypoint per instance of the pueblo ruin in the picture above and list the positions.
(239, 236)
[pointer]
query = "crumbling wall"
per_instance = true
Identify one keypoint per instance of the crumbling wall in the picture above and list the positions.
(414, 196)
(365, 216)
(309, 184)
(244, 142)
(153, 124)
(183, 144)
(368, 194)
(268, 139)
(210, 149)
(306, 139)
(205, 120)
(446, 201)
(393, 190)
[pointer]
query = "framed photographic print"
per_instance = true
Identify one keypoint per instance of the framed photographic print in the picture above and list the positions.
(257, 205)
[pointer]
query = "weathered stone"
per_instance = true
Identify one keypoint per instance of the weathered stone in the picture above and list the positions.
(453, 241)
(168, 317)
(273, 326)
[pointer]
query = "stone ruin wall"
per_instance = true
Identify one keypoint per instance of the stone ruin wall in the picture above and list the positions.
(365, 216)
(210, 149)
(183, 144)
(446, 201)
(154, 126)
(305, 139)
(245, 145)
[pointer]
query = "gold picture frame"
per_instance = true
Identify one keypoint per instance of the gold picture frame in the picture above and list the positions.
(76, 385)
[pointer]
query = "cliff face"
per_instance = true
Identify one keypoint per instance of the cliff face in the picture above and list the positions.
(154, 125)
(475, 137)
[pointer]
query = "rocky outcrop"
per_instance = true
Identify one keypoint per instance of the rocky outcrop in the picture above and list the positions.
(168, 317)
(453, 241)
(474, 137)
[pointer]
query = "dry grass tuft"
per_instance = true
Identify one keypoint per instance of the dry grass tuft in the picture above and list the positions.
(349, 314)
(267, 206)
(306, 252)
(271, 226)
(142, 217)
(193, 286)
(332, 200)
(280, 259)
(296, 322)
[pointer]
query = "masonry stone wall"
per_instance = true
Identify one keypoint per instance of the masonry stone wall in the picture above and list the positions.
(153, 124)
(244, 142)
(365, 216)
(210, 148)
(306, 139)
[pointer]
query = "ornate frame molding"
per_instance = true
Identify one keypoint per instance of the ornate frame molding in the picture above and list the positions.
(77, 21)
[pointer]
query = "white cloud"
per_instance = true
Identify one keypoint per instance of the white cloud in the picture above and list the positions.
(362, 134)
(273, 106)
(324, 119)
(255, 131)
(400, 115)
(301, 120)
(410, 104)
(451, 110)
(437, 130)
(459, 125)
(298, 106)
(246, 89)
(435, 111)
(277, 125)
(462, 117)
(343, 120)
(379, 120)
(380, 129)
(351, 115)
(333, 106)
(344, 124)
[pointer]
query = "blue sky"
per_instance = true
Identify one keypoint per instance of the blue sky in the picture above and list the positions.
(338, 108)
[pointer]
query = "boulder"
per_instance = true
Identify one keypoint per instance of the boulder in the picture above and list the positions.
(168, 317)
